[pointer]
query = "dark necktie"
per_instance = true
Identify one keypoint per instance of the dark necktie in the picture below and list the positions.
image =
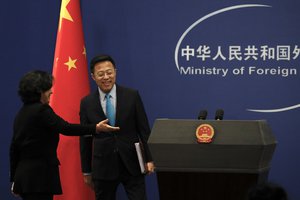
(110, 111)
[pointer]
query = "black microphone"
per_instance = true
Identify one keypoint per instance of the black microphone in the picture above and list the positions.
(219, 114)
(202, 115)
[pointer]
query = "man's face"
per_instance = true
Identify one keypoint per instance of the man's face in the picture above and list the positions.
(104, 75)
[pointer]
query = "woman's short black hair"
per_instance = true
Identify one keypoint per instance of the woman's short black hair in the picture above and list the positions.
(100, 58)
(32, 84)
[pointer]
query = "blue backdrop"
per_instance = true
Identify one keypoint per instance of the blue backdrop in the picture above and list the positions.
(182, 56)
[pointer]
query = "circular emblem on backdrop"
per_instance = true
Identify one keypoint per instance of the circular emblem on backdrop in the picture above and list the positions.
(205, 133)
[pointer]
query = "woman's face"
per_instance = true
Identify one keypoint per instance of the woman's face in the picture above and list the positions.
(45, 96)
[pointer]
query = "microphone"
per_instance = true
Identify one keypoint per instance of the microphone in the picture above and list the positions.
(202, 115)
(219, 114)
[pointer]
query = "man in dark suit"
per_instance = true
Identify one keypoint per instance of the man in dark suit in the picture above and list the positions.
(110, 158)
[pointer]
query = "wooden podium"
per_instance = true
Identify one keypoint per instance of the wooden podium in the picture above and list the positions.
(238, 157)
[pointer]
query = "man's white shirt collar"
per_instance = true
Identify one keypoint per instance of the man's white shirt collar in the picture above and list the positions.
(112, 93)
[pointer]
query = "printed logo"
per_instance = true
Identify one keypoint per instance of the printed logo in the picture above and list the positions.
(205, 133)
(201, 57)
(234, 59)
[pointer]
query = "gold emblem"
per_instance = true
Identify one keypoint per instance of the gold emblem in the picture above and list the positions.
(205, 133)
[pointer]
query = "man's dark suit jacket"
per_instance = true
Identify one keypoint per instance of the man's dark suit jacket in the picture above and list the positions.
(99, 155)
(33, 158)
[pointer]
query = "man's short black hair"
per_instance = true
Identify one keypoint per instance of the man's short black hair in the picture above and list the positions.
(100, 58)
(267, 191)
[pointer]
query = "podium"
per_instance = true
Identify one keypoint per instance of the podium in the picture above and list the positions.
(238, 158)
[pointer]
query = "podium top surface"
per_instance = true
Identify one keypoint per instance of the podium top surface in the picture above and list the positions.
(238, 132)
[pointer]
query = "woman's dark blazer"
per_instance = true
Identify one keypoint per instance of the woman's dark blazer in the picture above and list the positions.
(33, 159)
